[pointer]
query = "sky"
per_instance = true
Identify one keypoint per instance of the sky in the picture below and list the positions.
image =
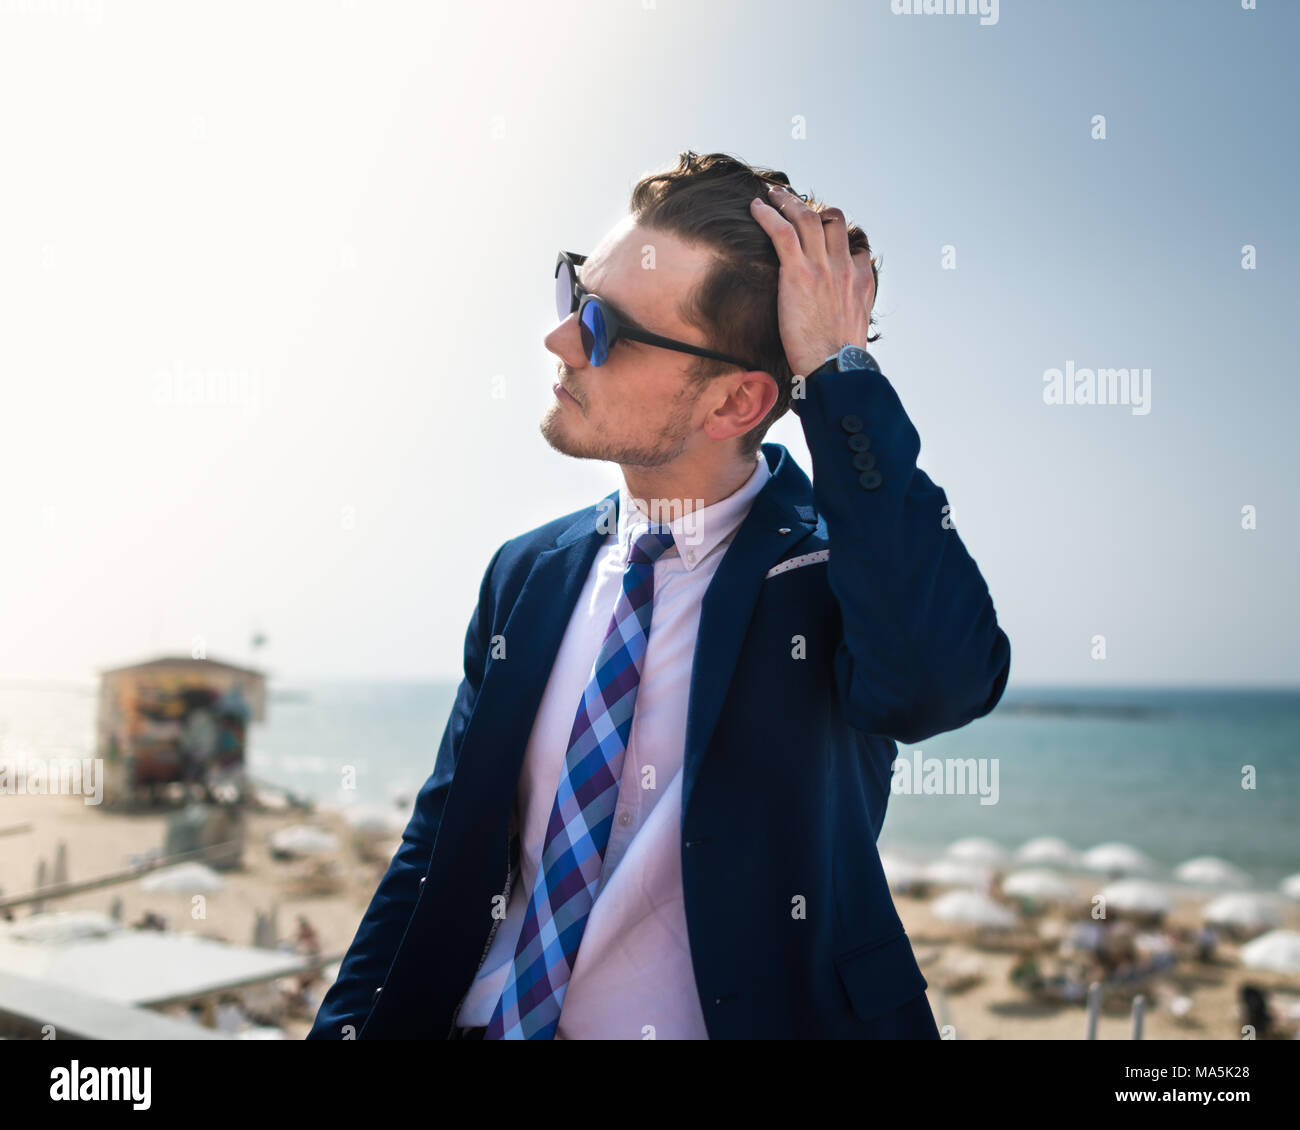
(344, 217)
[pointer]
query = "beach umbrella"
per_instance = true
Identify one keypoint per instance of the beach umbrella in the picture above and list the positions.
(901, 874)
(374, 820)
(1115, 859)
(270, 799)
(1242, 909)
(1138, 896)
(956, 873)
(1049, 850)
(1210, 871)
(1044, 886)
(971, 908)
(183, 879)
(303, 839)
(1290, 886)
(62, 926)
(976, 849)
(1277, 951)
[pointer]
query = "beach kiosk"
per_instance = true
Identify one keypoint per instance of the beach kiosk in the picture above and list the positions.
(174, 720)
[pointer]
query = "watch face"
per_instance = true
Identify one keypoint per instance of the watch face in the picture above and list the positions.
(851, 357)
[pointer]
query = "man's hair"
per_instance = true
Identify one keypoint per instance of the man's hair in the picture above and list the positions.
(705, 201)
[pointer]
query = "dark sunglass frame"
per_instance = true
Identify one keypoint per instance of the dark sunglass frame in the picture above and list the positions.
(616, 328)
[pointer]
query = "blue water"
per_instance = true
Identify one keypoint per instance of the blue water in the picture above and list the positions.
(1159, 769)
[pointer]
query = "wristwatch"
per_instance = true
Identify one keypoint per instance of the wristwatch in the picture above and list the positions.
(848, 357)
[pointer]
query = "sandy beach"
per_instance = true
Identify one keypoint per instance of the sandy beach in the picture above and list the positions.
(970, 987)
(993, 1008)
(100, 842)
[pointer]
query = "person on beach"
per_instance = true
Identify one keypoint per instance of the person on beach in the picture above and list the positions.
(654, 810)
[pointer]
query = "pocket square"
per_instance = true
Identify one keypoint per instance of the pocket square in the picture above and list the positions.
(798, 562)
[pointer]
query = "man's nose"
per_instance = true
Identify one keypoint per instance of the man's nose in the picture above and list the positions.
(565, 341)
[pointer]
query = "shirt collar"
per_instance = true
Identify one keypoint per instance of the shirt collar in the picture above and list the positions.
(696, 534)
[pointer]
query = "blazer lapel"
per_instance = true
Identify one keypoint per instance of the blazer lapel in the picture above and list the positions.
(785, 502)
(533, 633)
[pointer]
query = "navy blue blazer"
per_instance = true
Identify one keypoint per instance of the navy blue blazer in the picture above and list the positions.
(802, 683)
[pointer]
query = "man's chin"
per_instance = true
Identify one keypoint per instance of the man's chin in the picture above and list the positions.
(555, 434)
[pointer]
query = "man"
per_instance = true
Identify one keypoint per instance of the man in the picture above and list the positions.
(655, 807)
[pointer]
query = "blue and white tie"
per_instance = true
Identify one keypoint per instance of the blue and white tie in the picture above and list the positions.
(577, 834)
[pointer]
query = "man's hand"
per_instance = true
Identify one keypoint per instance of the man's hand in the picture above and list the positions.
(824, 294)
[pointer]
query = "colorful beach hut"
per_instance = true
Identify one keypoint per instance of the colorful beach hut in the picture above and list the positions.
(174, 719)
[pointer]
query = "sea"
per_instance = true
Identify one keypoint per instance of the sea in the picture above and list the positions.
(1176, 773)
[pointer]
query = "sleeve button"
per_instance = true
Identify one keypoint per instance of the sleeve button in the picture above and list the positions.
(864, 461)
(851, 423)
(858, 442)
(870, 480)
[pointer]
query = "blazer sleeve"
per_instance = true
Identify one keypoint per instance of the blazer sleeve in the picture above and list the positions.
(922, 652)
(365, 966)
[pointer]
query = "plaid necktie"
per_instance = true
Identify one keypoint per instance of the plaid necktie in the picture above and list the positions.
(578, 832)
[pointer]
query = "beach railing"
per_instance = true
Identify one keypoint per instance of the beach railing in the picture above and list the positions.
(59, 890)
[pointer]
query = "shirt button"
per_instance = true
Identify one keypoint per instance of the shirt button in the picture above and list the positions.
(690, 556)
(625, 818)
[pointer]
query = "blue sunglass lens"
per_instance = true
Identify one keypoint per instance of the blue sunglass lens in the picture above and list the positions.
(592, 326)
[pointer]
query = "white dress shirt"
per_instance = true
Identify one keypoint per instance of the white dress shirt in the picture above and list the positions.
(633, 976)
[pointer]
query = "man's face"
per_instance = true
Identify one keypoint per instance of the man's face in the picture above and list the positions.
(640, 407)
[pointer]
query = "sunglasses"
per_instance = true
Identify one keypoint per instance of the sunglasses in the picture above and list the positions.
(601, 327)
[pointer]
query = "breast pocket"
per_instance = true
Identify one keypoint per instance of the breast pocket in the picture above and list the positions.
(880, 976)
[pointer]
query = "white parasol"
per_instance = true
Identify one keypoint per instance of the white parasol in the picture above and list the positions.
(183, 879)
(956, 873)
(1278, 951)
(1045, 886)
(1210, 871)
(1115, 859)
(978, 850)
(1138, 896)
(1049, 850)
(971, 908)
(303, 839)
(1244, 910)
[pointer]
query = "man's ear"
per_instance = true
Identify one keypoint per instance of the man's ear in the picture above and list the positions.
(771, 393)
(763, 384)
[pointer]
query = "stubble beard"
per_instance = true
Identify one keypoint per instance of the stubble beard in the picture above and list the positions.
(667, 444)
